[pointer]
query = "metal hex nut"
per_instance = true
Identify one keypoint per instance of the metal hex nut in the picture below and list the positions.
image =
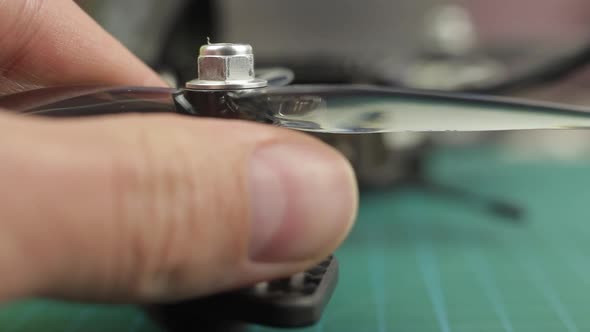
(226, 68)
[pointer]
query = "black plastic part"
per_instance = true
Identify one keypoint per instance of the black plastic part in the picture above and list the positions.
(281, 303)
(510, 212)
(216, 104)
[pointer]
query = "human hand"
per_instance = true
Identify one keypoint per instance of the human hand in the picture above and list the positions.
(147, 207)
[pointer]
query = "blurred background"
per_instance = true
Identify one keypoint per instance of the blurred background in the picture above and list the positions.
(527, 48)
(434, 44)
(538, 49)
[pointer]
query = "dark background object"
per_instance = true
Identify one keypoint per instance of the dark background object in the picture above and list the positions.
(284, 303)
(438, 44)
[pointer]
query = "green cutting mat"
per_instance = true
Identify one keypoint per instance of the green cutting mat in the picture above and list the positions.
(418, 262)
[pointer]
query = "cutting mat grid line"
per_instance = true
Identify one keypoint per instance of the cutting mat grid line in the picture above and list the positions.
(539, 278)
(485, 277)
(379, 290)
(431, 277)
(415, 262)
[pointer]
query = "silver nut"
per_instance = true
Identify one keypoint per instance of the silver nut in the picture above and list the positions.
(225, 66)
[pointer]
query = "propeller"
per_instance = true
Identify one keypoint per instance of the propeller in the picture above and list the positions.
(315, 108)
(227, 88)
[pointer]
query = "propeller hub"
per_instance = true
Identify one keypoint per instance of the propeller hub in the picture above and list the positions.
(224, 66)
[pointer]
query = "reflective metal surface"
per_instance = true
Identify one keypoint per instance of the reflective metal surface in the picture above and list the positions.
(225, 66)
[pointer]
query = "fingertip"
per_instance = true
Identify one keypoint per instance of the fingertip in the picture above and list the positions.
(303, 200)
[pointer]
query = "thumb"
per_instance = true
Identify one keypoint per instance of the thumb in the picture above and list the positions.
(160, 207)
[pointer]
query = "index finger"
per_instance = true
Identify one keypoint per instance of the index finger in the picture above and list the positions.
(48, 43)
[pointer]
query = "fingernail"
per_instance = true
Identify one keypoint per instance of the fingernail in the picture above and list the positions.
(303, 200)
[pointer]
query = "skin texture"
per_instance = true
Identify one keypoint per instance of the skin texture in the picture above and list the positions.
(53, 42)
(143, 208)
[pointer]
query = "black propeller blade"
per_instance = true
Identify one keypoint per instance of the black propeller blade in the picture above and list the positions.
(317, 108)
